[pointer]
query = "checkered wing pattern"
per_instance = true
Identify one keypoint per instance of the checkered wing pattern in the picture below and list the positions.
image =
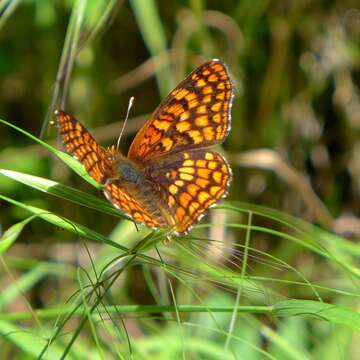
(79, 143)
(195, 114)
(192, 181)
(120, 196)
(173, 177)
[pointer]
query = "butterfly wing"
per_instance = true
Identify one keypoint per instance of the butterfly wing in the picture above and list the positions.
(195, 114)
(134, 203)
(177, 188)
(79, 143)
(190, 182)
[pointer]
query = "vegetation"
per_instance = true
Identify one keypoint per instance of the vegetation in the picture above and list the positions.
(272, 272)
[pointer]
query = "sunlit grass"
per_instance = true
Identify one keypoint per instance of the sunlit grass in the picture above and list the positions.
(273, 286)
(182, 261)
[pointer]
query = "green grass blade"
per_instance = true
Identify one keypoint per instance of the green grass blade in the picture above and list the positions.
(66, 224)
(22, 284)
(103, 14)
(67, 159)
(71, 47)
(334, 314)
(240, 287)
(152, 30)
(63, 191)
(136, 309)
(11, 234)
(87, 308)
(310, 236)
(290, 340)
(7, 7)
(85, 232)
(29, 343)
(67, 61)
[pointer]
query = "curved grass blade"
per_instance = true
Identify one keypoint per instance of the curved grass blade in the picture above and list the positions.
(332, 246)
(62, 222)
(105, 13)
(85, 232)
(67, 159)
(27, 342)
(63, 191)
(334, 314)
(11, 234)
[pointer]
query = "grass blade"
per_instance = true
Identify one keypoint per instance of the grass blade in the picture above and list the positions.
(152, 30)
(334, 314)
(63, 191)
(7, 7)
(11, 234)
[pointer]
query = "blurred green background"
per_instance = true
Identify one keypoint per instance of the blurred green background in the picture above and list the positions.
(294, 147)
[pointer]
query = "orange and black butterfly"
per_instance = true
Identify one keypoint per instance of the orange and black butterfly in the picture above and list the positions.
(170, 177)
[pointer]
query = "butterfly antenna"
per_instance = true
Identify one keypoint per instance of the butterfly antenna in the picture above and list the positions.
(131, 101)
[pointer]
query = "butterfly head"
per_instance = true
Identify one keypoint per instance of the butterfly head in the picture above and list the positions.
(59, 116)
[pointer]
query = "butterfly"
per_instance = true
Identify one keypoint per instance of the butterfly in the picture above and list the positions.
(169, 177)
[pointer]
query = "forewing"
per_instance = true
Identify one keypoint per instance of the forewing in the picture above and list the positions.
(192, 181)
(79, 143)
(195, 114)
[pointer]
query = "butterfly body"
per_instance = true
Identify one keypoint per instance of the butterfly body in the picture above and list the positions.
(133, 177)
(127, 171)
(169, 177)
